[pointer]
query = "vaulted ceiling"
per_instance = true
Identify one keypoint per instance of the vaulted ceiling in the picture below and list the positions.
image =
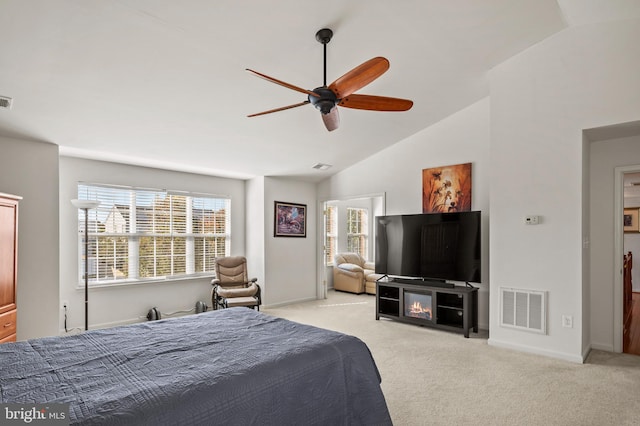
(162, 83)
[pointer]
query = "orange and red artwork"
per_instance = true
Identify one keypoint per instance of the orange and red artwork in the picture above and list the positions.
(446, 189)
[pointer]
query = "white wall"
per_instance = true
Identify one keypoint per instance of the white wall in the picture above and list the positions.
(541, 100)
(255, 229)
(30, 169)
(606, 155)
(397, 172)
(290, 262)
(110, 306)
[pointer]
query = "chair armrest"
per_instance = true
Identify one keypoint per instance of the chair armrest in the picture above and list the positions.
(215, 281)
(350, 267)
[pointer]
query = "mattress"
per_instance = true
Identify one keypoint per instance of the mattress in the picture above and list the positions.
(234, 367)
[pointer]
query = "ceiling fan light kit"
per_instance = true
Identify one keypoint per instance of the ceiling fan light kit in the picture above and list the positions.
(324, 101)
(341, 92)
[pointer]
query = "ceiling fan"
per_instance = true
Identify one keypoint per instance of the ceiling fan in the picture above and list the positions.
(341, 92)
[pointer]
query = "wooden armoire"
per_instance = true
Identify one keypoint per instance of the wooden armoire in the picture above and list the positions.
(8, 266)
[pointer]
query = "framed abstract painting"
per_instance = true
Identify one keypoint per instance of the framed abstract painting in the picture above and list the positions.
(446, 189)
(290, 220)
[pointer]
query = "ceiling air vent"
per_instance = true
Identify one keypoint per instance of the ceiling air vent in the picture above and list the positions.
(5, 102)
(321, 166)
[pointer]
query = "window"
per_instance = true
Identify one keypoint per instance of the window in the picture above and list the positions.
(142, 234)
(331, 236)
(358, 231)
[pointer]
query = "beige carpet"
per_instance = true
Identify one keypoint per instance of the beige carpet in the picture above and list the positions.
(434, 377)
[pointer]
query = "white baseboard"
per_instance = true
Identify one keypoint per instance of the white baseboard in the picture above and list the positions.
(76, 330)
(602, 347)
(585, 353)
(289, 302)
(532, 350)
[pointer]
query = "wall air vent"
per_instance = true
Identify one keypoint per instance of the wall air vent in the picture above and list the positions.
(5, 102)
(523, 309)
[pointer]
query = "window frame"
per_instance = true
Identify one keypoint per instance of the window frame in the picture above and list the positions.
(330, 233)
(172, 223)
(363, 227)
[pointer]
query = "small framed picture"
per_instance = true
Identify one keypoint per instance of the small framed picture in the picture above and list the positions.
(630, 220)
(290, 220)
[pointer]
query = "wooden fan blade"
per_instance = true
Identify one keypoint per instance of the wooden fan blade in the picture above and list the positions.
(278, 109)
(359, 77)
(331, 120)
(282, 83)
(376, 103)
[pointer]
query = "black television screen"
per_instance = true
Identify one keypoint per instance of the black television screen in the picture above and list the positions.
(439, 246)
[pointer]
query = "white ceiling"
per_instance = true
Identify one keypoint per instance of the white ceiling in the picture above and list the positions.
(162, 83)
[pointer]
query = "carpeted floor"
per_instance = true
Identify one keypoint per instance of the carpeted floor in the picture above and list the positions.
(434, 377)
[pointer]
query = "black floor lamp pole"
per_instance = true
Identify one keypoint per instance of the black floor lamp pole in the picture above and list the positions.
(86, 205)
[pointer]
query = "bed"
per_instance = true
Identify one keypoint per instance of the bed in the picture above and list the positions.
(234, 367)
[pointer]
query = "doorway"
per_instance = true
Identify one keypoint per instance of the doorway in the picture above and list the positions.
(336, 238)
(611, 148)
(631, 263)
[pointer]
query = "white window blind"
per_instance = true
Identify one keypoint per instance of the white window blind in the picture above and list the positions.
(358, 231)
(142, 234)
(331, 234)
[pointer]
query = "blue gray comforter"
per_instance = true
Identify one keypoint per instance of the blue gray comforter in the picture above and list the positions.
(229, 367)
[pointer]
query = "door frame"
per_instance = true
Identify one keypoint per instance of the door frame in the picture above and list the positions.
(618, 252)
(321, 287)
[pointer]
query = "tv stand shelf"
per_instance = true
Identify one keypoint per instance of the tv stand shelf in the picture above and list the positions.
(449, 308)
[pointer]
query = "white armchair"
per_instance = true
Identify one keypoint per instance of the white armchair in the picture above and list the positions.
(352, 273)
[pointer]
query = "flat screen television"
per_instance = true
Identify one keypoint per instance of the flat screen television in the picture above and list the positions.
(432, 246)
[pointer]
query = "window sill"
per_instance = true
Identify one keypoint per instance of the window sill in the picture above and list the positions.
(127, 283)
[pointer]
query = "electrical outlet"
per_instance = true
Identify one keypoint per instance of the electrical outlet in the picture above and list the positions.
(567, 321)
(532, 220)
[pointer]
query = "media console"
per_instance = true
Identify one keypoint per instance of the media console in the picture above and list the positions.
(416, 302)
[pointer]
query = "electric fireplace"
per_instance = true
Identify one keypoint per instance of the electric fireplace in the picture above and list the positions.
(417, 302)
(418, 305)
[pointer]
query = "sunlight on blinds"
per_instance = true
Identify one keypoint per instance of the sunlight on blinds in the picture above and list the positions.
(138, 234)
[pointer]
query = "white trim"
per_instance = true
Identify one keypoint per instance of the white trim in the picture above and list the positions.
(321, 279)
(289, 302)
(322, 204)
(602, 347)
(536, 350)
(618, 250)
(138, 282)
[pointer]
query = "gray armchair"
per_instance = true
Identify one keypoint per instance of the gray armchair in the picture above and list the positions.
(231, 286)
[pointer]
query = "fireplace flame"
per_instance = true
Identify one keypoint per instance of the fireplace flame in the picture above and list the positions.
(416, 309)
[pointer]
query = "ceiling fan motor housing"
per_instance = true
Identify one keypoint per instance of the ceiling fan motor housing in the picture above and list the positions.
(325, 101)
(324, 35)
